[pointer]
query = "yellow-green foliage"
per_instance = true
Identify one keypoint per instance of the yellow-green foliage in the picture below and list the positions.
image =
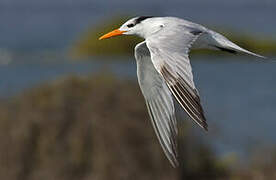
(89, 45)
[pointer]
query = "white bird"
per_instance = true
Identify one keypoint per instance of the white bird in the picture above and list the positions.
(164, 70)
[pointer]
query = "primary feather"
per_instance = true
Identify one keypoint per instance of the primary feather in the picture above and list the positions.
(159, 102)
(164, 70)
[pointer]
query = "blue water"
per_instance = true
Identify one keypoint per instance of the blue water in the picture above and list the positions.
(31, 25)
(17, 77)
(240, 102)
(239, 97)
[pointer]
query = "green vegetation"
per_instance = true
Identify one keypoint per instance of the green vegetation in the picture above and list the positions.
(83, 128)
(89, 45)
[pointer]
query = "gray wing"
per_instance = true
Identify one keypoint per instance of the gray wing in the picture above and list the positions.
(169, 49)
(159, 102)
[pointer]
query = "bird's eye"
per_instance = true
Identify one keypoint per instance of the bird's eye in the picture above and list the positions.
(130, 25)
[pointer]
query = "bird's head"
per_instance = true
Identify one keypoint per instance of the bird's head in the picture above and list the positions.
(142, 26)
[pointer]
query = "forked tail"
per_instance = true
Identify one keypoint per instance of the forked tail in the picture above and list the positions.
(220, 42)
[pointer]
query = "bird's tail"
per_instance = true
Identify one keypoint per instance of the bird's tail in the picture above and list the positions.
(218, 41)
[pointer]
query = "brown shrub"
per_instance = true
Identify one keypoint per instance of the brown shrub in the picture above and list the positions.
(94, 128)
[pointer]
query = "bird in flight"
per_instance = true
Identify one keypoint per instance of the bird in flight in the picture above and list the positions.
(164, 70)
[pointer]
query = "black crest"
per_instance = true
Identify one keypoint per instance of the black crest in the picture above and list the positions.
(142, 18)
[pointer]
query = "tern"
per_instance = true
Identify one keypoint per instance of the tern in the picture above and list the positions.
(164, 70)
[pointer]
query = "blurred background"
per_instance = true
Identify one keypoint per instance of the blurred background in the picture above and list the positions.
(71, 107)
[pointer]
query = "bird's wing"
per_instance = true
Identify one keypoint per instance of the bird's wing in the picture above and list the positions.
(169, 49)
(159, 102)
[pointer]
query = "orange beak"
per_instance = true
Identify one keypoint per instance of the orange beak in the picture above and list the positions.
(116, 32)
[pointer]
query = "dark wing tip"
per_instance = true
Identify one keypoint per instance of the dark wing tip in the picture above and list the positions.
(227, 50)
(205, 125)
(186, 96)
(201, 121)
